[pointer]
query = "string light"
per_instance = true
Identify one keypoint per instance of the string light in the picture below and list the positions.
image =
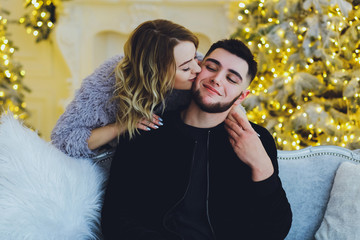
(40, 21)
(11, 76)
(290, 50)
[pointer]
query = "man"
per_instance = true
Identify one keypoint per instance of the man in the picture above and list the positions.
(202, 175)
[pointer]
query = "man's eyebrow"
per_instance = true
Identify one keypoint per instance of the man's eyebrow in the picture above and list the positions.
(236, 73)
(185, 63)
(219, 64)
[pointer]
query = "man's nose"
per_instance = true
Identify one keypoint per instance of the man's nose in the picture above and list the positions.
(216, 79)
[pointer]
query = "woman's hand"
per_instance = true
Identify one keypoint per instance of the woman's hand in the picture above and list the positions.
(103, 135)
(146, 125)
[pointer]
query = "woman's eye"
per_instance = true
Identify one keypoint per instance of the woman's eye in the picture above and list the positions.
(210, 68)
(186, 69)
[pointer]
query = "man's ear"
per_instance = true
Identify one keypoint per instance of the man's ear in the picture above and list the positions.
(243, 95)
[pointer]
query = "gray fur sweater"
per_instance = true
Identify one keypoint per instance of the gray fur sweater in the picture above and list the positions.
(92, 108)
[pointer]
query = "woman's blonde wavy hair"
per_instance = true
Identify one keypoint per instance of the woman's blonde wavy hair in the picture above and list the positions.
(147, 72)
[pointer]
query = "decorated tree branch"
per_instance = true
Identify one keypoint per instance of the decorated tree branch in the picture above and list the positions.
(307, 91)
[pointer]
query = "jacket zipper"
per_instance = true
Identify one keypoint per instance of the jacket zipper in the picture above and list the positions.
(182, 198)
(208, 184)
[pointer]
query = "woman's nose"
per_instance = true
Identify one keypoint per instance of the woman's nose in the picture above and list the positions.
(196, 68)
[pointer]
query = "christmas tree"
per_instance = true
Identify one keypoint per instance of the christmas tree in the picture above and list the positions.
(307, 91)
(12, 88)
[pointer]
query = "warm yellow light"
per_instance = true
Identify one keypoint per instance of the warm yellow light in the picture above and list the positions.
(246, 11)
(240, 18)
(15, 87)
(241, 5)
(2, 94)
(7, 74)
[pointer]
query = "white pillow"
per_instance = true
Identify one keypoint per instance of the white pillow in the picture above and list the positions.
(342, 216)
(44, 194)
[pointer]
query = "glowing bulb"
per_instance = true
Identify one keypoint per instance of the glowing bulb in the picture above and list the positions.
(7, 74)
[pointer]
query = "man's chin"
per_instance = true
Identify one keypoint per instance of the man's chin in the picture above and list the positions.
(210, 107)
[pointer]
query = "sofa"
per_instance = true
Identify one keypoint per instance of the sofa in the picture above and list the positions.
(322, 184)
(46, 195)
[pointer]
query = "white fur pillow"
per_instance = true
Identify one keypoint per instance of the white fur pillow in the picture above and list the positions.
(342, 216)
(44, 194)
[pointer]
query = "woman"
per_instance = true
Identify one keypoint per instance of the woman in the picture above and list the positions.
(123, 94)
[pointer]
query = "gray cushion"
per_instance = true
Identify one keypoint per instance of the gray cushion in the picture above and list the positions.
(342, 216)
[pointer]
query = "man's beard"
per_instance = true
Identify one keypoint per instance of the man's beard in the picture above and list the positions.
(212, 108)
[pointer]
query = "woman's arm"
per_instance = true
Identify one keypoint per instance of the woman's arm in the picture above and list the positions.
(103, 135)
(90, 109)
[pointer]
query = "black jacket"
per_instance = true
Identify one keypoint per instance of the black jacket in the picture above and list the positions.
(149, 176)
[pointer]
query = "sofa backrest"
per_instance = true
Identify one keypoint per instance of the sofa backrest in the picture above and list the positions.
(307, 176)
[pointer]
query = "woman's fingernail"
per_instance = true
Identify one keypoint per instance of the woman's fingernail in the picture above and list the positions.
(160, 119)
(156, 126)
(160, 123)
(148, 128)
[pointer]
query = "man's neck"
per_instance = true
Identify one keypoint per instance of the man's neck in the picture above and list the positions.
(196, 117)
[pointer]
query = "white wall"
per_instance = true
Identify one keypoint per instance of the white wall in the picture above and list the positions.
(88, 32)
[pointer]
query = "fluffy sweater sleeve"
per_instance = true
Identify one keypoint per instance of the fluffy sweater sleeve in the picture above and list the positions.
(91, 108)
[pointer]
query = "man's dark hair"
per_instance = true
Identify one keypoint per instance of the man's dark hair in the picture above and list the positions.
(239, 49)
